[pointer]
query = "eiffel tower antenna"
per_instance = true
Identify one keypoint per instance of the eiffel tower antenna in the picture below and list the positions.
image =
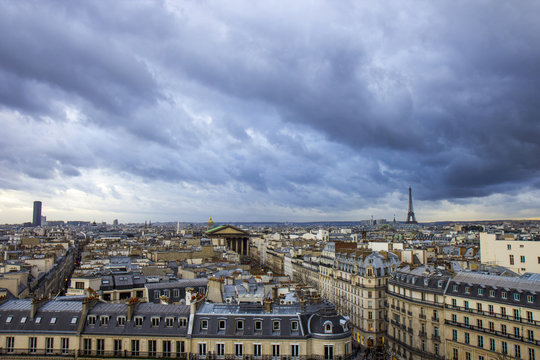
(411, 219)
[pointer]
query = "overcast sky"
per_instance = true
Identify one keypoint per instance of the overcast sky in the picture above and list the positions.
(269, 110)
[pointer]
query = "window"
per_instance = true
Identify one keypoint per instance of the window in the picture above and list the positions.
(32, 344)
(516, 314)
(529, 316)
(511, 259)
(454, 318)
(467, 290)
(238, 350)
(508, 247)
(104, 320)
(221, 324)
(155, 321)
(492, 344)
(517, 351)
(480, 292)
(454, 303)
(466, 304)
(53, 320)
(91, 319)
(491, 311)
(166, 348)
(258, 325)
(504, 295)
(504, 347)
(454, 288)
(49, 345)
(480, 324)
(294, 325)
(23, 319)
(117, 347)
(467, 356)
(135, 346)
(491, 326)
(436, 349)
(182, 322)
(516, 331)
(479, 307)
(503, 312)
(10, 344)
(79, 285)
(180, 348)
(480, 341)
(240, 325)
(121, 320)
(456, 354)
(522, 258)
(295, 350)
(275, 325)
(503, 329)
(152, 348)
(516, 297)
(176, 293)
(65, 345)
(169, 321)
(454, 335)
(491, 293)
(138, 320)
(9, 318)
(257, 350)
(467, 338)
(38, 319)
(87, 346)
(202, 350)
(276, 351)
(100, 346)
(74, 320)
(328, 352)
(530, 335)
(529, 298)
(531, 354)
(220, 350)
(466, 320)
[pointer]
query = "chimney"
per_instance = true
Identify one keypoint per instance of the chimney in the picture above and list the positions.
(268, 305)
(131, 306)
(196, 302)
(87, 304)
(302, 304)
(36, 304)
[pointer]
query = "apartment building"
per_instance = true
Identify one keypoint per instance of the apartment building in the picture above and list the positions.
(416, 312)
(492, 317)
(355, 281)
(516, 252)
(90, 329)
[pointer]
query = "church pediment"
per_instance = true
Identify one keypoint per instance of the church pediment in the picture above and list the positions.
(226, 230)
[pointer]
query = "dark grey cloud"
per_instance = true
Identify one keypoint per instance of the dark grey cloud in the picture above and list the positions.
(336, 107)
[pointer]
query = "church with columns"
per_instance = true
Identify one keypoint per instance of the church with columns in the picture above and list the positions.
(230, 236)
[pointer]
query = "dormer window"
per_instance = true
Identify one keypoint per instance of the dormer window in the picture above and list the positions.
(155, 321)
(204, 324)
(103, 320)
(91, 320)
(294, 325)
(439, 283)
(138, 320)
(480, 292)
(169, 321)
(328, 327)
(182, 322)
(516, 297)
(240, 325)
(53, 320)
(121, 320)
(426, 282)
(221, 324)
(258, 325)
(275, 325)
(467, 290)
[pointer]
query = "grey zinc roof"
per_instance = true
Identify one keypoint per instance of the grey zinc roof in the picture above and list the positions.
(518, 283)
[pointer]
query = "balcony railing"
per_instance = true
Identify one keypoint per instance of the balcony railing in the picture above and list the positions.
(493, 314)
(497, 333)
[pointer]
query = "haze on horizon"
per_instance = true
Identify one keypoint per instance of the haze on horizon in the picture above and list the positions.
(269, 111)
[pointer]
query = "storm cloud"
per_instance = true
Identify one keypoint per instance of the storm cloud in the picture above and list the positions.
(254, 110)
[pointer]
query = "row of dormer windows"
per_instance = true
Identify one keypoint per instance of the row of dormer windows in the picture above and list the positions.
(222, 323)
(137, 320)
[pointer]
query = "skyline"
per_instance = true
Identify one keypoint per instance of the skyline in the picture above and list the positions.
(245, 112)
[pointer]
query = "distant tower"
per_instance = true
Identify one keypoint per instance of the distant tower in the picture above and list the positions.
(411, 219)
(210, 223)
(178, 228)
(36, 220)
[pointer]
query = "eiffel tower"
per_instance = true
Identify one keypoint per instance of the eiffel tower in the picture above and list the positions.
(411, 219)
